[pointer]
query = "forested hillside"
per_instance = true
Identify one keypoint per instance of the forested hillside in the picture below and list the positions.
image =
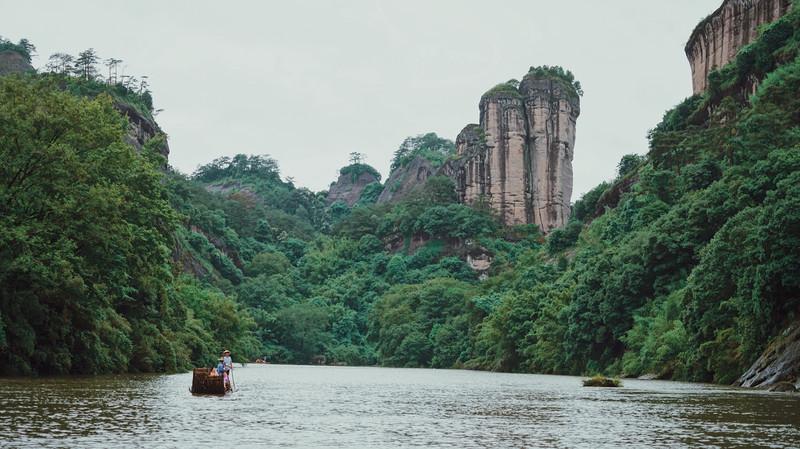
(684, 265)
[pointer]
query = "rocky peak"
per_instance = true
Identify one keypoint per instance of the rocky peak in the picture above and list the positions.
(519, 158)
(469, 170)
(13, 62)
(352, 181)
(470, 140)
(552, 108)
(716, 40)
(403, 180)
(502, 118)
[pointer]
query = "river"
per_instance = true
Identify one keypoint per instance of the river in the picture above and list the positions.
(316, 406)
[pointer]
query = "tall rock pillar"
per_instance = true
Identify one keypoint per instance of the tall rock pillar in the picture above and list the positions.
(551, 110)
(470, 172)
(519, 159)
(502, 117)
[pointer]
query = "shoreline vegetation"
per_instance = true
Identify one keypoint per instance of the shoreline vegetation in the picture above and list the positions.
(683, 266)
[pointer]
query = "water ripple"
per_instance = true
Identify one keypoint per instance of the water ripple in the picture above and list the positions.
(298, 406)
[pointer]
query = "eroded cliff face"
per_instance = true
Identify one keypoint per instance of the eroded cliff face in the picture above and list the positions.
(552, 111)
(503, 120)
(518, 159)
(778, 368)
(349, 187)
(141, 129)
(12, 62)
(717, 39)
(404, 180)
(469, 172)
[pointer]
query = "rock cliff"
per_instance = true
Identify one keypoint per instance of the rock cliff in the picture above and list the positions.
(552, 108)
(779, 365)
(350, 185)
(142, 128)
(716, 40)
(13, 62)
(518, 159)
(469, 171)
(503, 119)
(403, 180)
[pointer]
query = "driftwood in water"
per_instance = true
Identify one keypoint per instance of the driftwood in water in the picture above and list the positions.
(203, 383)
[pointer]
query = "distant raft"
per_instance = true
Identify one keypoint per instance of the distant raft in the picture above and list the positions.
(203, 383)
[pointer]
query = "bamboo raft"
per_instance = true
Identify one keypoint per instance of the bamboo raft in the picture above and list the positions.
(203, 383)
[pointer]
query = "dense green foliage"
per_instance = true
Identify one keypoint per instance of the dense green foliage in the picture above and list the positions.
(313, 296)
(508, 89)
(558, 73)
(429, 146)
(86, 284)
(255, 185)
(684, 265)
(23, 47)
(357, 169)
(694, 266)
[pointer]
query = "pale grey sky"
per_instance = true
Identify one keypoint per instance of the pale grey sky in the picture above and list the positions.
(308, 82)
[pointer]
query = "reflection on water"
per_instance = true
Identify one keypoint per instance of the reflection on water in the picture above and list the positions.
(303, 406)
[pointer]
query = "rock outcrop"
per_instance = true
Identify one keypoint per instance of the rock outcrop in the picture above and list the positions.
(552, 108)
(349, 187)
(142, 128)
(717, 39)
(518, 160)
(469, 173)
(13, 62)
(779, 365)
(403, 180)
(503, 119)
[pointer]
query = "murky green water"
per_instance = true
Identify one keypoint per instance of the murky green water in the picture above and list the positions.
(298, 406)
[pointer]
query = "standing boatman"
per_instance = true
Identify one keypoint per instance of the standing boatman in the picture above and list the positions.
(227, 362)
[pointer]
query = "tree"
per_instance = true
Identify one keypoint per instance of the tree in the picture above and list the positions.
(28, 47)
(24, 47)
(628, 163)
(429, 146)
(268, 264)
(112, 64)
(61, 63)
(303, 328)
(85, 65)
(357, 158)
(67, 182)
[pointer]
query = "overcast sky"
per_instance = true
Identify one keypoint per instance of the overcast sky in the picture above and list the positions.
(308, 82)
